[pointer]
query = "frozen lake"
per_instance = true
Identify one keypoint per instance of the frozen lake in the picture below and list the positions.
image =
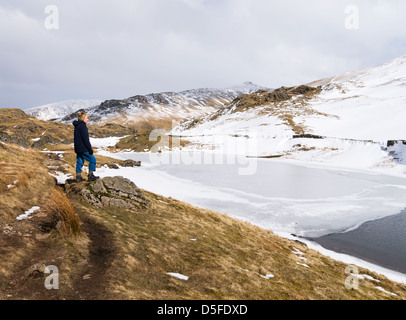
(284, 197)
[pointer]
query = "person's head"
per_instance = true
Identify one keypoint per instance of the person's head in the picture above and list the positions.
(83, 116)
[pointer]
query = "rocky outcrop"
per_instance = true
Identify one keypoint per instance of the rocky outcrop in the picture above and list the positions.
(124, 163)
(264, 97)
(17, 138)
(132, 163)
(21, 139)
(110, 192)
(391, 143)
(44, 140)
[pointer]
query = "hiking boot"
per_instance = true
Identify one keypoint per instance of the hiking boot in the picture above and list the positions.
(92, 177)
(79, 179)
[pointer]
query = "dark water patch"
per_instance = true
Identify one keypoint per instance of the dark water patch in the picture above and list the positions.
(382, 242)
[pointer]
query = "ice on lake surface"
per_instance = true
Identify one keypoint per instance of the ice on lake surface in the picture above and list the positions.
(284, 197)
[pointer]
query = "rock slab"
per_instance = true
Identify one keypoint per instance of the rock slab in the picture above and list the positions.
(111, 192)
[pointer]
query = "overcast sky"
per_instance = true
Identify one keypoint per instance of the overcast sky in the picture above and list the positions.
(119, 48)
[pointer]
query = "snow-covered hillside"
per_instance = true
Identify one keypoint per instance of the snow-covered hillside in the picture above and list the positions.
(169, 106)
(58, 110)
(154, 107)
(356, 113)
(370, 104)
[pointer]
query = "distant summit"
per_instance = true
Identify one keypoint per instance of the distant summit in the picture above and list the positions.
(58, 110)
(250, 86)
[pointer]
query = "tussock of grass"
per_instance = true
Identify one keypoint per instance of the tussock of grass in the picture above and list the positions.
(67, 221)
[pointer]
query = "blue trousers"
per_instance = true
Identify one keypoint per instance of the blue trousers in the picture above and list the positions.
(80, 161)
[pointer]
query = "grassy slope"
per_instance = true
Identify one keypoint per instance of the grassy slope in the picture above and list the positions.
(17, 121)
(157, 241)
(123, 254)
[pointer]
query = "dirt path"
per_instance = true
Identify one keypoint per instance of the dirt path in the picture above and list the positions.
(87, 279)
(83, 265)
(93, 282)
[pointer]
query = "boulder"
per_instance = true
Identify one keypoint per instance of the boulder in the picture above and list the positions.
(110, 192)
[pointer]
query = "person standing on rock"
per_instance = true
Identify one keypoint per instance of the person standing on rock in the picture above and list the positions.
(83, 148)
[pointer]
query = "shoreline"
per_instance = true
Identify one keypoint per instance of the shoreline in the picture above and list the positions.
(352, 260)
(378, 242)
(339, 256)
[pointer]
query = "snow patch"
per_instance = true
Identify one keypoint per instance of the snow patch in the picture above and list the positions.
(302, 264)
(387, 292)
(27, 214)
(179, 276)
(61, 177)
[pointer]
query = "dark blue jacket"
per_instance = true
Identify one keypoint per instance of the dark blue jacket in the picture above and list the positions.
(81, 138)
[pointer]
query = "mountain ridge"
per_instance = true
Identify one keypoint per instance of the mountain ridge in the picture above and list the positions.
(153, 106)
(56, 110)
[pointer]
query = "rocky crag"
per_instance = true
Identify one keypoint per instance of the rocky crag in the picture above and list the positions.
(110, 192)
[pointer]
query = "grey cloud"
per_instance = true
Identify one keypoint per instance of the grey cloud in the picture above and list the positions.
(115, 49)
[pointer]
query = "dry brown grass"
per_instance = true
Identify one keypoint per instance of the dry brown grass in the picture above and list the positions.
(146, 142)
(25, 172)
(227, 260)
(17, 121)
(31, 185)
(67, 221)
